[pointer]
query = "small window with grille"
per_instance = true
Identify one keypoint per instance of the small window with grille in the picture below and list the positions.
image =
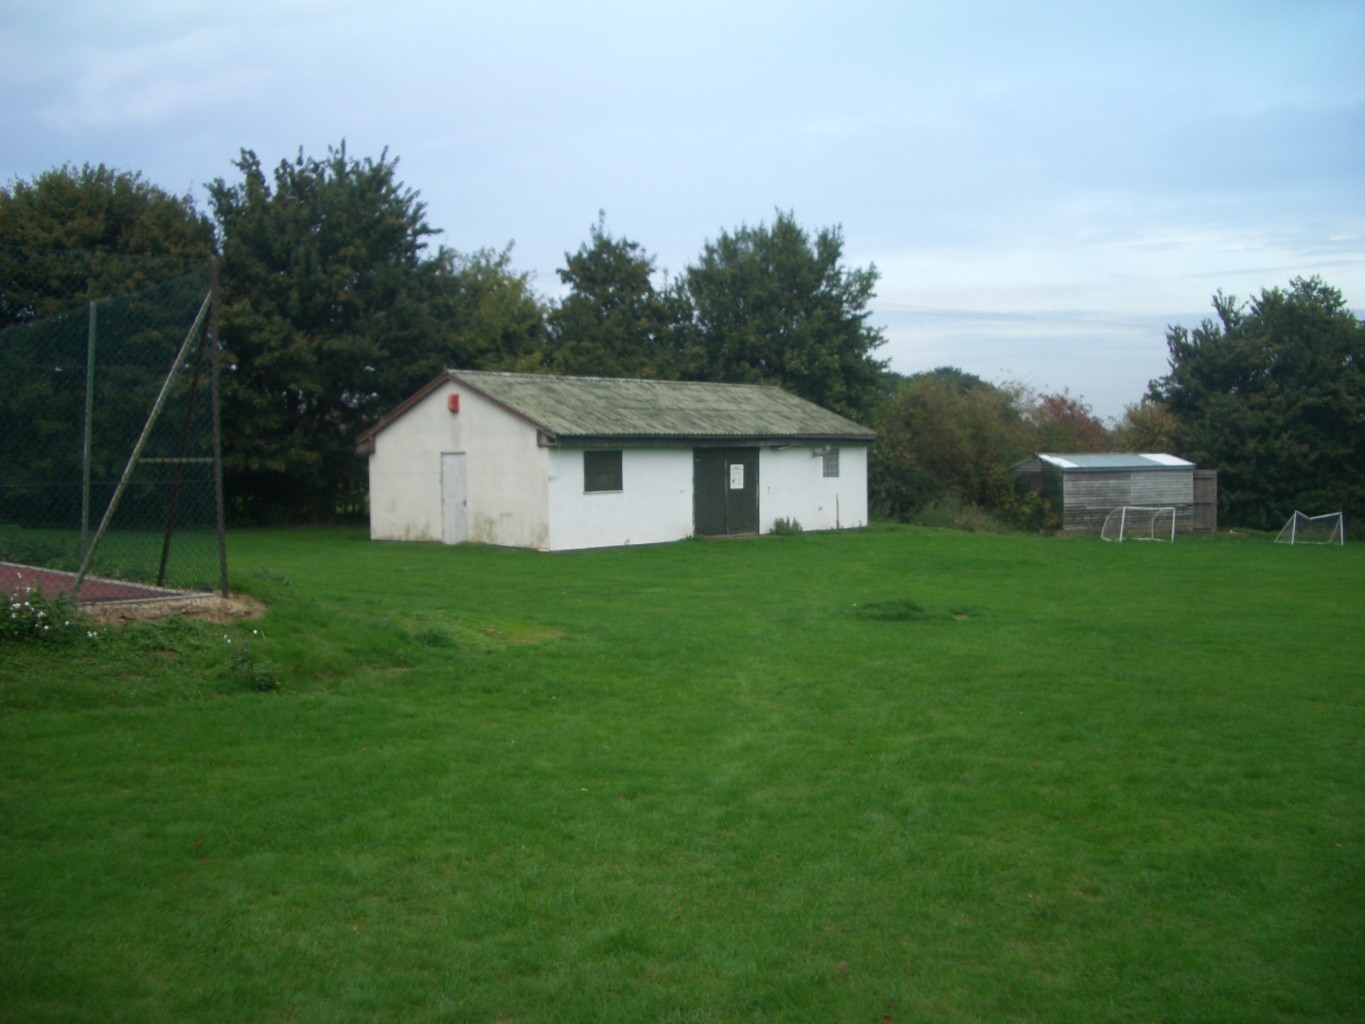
(602, 471)
(831, 462)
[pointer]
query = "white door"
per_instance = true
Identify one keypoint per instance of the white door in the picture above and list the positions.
(454, 499)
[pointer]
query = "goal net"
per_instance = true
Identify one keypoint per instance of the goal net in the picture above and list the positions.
(1302, 529)
(1139, 522)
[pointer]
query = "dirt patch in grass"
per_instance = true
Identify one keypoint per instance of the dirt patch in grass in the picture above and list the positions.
(206, 608)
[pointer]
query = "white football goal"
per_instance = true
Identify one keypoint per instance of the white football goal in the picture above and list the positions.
(1140, 522)
(1324, 529)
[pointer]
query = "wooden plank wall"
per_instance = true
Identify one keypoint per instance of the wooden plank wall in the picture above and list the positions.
(1206, 500)
(1090, 496)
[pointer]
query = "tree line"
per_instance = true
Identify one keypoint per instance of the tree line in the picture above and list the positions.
(337, 302)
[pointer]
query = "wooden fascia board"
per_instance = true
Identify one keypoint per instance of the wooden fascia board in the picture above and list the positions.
(364, 443)
(704, 441)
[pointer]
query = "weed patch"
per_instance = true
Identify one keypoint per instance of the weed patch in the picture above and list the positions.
(891, 611)
(907, 610)
(29, 616)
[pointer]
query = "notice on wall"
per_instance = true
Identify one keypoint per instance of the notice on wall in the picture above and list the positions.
(737, 477)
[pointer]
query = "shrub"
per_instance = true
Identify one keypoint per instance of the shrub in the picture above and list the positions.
(245, 670)
(30, 615)
(954, 513)
(784, 527)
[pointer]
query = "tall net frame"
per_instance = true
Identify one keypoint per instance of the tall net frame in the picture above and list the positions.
(110, 453)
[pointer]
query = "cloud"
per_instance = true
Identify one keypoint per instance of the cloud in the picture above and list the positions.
(137, 87)
(1068, 160)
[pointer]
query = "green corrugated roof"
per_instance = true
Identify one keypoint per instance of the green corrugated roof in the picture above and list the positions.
(607, 407)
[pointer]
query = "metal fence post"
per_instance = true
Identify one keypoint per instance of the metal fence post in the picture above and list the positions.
(89, 427)
(215, 350)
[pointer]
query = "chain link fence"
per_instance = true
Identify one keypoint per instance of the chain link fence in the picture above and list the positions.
(109, 465)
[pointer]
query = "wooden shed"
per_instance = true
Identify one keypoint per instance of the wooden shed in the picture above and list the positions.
(1083, 489)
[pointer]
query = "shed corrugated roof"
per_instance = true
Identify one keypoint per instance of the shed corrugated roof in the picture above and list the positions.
(1115, 460)
(608, 407)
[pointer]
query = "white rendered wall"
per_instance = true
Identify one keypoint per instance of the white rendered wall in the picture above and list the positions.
(523, 495)
(506, 472)
(792, 485)
(405, 471)
(654, 504)
(507, 469)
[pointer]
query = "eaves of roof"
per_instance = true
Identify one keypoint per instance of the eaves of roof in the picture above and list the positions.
(1107, 461)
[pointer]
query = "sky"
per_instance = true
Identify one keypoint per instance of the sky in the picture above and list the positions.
(1042, 187)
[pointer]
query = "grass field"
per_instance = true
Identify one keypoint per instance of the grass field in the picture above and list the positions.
(894, 775)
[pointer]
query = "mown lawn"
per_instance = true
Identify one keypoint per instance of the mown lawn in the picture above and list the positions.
(895, 775)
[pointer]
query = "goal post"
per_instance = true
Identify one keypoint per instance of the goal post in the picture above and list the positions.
(1329, 528)
(1140, 522)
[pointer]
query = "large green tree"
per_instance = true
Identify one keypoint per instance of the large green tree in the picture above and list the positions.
(1272, 394)
(1147, 426)
(69, 237)
(76, 234)
(614, 322)
(490, 317)
(774, 304)
(334, 310)
(325, 295)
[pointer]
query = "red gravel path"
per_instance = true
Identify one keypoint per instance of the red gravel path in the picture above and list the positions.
(94, 590)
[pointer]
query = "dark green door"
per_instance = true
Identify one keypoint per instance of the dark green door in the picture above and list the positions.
(724, 491)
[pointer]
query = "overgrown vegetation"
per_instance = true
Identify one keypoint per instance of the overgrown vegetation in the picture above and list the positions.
(899, 774)
(28, 615)
(946, 441)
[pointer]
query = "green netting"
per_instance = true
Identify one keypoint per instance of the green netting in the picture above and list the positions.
(77, 392)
